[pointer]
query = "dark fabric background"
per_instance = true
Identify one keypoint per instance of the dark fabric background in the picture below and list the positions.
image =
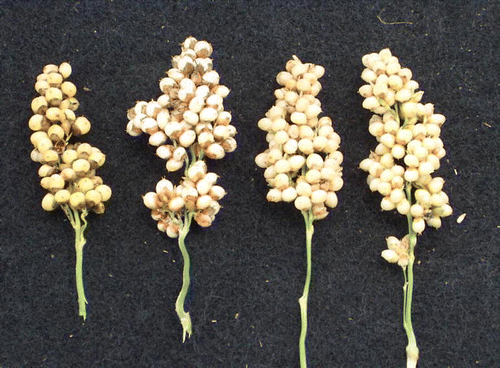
(248, 268)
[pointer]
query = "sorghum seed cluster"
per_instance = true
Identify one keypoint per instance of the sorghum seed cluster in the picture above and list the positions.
(397, 250)
(197, 193)
(68, 171)
(186, 123)
(190, 112)
(409, 146)
(302, 162)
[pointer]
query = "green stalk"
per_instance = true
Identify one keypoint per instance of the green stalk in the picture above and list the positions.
(79, 223)
(179, 304)
(411, 349)
(308, 219)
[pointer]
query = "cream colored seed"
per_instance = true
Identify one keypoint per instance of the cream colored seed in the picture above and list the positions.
(437, 200)
(39, 105)
(391, 126)
(331, 200)
(371, 103)
(176, 204)
(174, 164)
(313, 176)
(291, 146)
(387, 205)
(50, 157)
(314, 161)
(282, 166)
(281, 181)
(46, 170)
(68, 174)
(303, 203)
(318, 196)
(77, 200)
(298, 118)
(54, 96)
(65, 70)
(278, 124)
(69, 103)
(56, 182)
(84, 150)
(273, 195)
(48, 202)
(56, 133)
(411, 175)
(36, 122)
(69, 155)
(204, 202)
(303, 189)
(436, 185)
(289, 194)
(44, 144)
(215, 151)
(296, 162)
(262, 160)
(81, 166)
(417, 210)
(97, 159)
(397, 195)
(398, 151)
(93, 198)
(187, 138)
(81, 126)
(337, 183)
(53, 114)
(41, 86)
(418, 225)
(265, 124)
(151, 200)
(68, 89)
(403, 207)
(36, 156)
(62, 196)
(217, 192)
(55, 79)
(306, 146)
(203, 186)
(411, 161)
(384, 188)
(423, 196)
(50, 68)
(387, 160)
(84, 185)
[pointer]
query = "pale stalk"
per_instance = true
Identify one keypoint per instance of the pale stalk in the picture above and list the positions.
(308, 219)
(411, 349)
(186, 279)
(79, 223)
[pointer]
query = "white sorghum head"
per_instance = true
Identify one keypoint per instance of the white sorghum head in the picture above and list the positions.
(302, 144)
(408, 135)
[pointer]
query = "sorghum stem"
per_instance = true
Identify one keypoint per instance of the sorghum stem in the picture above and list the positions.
(308, 219)
(79, 224)
(411, 349)
(179, 304)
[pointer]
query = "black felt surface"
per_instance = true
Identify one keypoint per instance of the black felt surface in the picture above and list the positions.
(248, 268)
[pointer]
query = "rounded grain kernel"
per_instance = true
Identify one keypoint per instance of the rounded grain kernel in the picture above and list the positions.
(39, 105)
(289, 194)
(49, 203)
(303, 203)
(77, 200)
(273, 195)
(81, 126)
(418, 225)
(81, 166)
